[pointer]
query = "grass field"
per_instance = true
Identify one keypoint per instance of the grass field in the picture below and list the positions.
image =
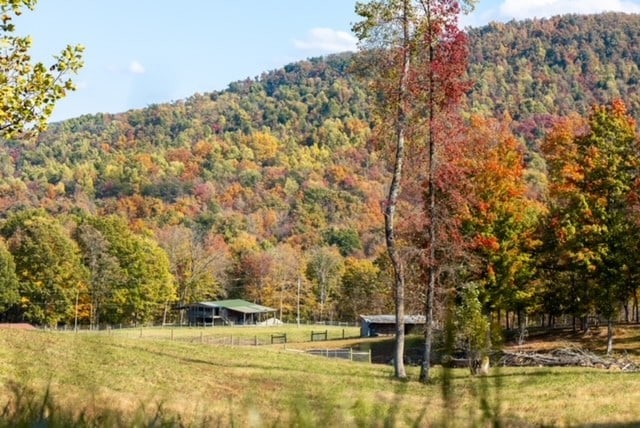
(242, 335)
(124, 380)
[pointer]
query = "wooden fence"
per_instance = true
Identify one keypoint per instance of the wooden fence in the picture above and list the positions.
(345, 354)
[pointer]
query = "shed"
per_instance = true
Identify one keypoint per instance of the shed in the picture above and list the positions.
(226, 312)
(376, 325)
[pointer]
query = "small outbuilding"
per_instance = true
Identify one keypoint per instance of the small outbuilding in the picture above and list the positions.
(226, 312)
(378, 325)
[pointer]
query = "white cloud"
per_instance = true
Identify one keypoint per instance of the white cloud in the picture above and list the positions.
(520, 9)
(327, 40)
(136, 67)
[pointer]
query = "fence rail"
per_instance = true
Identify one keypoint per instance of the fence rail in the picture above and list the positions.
(230, 335)
(319, 335)
(345, 354)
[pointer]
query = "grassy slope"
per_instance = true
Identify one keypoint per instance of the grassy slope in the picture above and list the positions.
(243, 385)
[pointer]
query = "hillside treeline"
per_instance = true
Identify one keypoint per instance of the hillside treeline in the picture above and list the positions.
(272, 190)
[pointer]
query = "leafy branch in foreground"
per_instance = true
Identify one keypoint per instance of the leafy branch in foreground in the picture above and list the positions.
(29, 91)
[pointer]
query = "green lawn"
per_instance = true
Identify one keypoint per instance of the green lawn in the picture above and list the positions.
(125, 380)
(243, 335)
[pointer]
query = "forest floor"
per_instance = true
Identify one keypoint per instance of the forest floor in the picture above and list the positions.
(626, 342)
(626, 339)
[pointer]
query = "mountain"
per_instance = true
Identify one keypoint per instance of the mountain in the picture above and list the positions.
(288, 155)
(287, 163)
(284, 158)
(542, 68)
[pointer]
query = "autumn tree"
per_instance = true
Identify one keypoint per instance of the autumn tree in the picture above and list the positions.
(9, 286)
(416, 60)
(594, 167)
(256, 268)
(146, 289)
(324, 268)
(287, 277)
(29, 91)
(361, 290)
(48, 266)
(502, 218)
(103, 267)
(198, 264)
(272, 277)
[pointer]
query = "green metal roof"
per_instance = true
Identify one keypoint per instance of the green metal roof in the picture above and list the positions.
(239, 305)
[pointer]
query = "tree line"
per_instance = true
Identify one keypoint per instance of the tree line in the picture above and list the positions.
(517, 198)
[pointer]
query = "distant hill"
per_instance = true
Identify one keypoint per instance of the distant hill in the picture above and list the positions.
(288, 157)
(547, 67)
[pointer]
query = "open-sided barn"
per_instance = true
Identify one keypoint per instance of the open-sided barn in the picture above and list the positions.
(226, 312)
(376, 325)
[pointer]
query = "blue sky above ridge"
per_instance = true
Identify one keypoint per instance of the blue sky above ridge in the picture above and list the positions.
(143, 52)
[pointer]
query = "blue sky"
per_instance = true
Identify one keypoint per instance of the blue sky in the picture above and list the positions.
(141, 52)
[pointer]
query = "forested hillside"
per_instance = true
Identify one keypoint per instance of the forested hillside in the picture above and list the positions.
(540, 68)
(270, 190)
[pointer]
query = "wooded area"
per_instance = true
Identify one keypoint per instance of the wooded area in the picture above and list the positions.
(274, 191)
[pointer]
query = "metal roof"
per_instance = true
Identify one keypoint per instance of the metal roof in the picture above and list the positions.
(237, 305)
(391, 319)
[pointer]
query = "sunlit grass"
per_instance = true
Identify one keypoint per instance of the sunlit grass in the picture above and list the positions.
(125, 377)
(245, 335)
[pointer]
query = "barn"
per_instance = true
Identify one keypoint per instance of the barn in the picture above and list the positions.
(377, 325)
(226, 312)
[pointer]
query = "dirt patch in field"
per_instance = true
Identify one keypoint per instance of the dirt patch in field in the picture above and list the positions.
(17, 326)
(626, 339)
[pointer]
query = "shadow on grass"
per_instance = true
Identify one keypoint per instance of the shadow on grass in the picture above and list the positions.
(244, 365)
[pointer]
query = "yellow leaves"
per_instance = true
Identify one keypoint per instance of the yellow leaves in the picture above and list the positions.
(24, 302)
(338, 174)
(244, 243)
(572, 173)
(265, 146)
(147, 163)
(203, 149)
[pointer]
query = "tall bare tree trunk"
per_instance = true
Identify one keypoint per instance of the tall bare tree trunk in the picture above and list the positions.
(394, 192)
(431, 208)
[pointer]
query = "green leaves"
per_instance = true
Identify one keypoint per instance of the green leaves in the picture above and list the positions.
(28, 91)
(146, 284)
(593, 170)
(9, 292)
(48, 266)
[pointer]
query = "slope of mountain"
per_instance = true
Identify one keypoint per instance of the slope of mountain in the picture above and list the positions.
(289, 156)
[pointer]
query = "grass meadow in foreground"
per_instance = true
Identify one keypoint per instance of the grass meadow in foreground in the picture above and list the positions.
(114, 380)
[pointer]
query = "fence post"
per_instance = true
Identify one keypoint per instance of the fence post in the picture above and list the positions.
(140, 331)
(350, 352)
(369, 356)
(343, 333)
(255, 340)
(172, 334)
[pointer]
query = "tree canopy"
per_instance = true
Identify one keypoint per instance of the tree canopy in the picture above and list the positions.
(29, 91)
